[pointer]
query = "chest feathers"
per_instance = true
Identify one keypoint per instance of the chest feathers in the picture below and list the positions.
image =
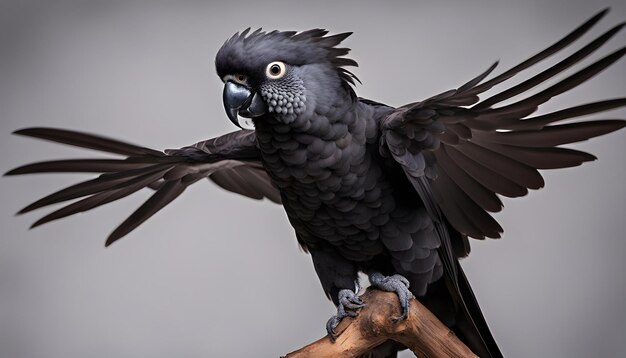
(321, 160)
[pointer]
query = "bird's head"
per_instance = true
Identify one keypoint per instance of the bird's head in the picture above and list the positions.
(282, 73)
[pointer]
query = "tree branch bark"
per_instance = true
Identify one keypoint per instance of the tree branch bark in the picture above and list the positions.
(421, 332)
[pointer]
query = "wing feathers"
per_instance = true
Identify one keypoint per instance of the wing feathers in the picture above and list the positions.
(78, 165)
(170, 191)
(480, 151)
(478, 79)
(551, 136)
(169, 174)
(543, 120)
(509, 168)
(570, 82)
(103, 182)
(556, 47)
(251, 182)
(551, 72)
(101, 198)
(492, 180)
(484, 224)
(542, 158)
(528, 105)
(484, 197)
(452, 211)
(89, 141)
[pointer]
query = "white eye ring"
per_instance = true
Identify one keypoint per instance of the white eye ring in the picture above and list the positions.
(275, 70)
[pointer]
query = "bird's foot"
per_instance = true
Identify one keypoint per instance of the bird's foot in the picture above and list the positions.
(349, 304)
(398, 284)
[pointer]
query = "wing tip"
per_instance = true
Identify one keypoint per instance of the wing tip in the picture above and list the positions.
(35, 205)
(603, 11)
(29, 131)
(37, 223)
(111, 239)
(598, 16)
(23, 169)
(20, 131)
(26, 209)
(14, 171)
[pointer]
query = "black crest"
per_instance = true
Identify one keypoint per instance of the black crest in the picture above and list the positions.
(245, 50)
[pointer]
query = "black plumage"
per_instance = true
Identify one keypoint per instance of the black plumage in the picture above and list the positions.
(367, 187)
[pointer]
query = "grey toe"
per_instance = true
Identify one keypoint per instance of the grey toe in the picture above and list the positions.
(349, 303)
(396, 283)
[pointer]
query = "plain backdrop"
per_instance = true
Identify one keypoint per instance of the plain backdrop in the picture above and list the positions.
(219, 275)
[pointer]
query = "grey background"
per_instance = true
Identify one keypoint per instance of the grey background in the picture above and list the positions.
(235, 284)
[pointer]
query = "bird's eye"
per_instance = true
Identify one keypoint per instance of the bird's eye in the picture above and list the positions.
(275, 70)
(240, 78)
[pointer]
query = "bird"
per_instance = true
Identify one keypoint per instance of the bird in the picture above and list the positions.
(395, 193)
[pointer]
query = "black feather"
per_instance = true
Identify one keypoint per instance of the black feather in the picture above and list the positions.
(550, 136)
(103, 182)
(101, 198)
(552, 71)
(89, 141)
(559, 45)
(170, 191)
(78, 165)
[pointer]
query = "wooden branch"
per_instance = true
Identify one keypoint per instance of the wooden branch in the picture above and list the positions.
(421, 332)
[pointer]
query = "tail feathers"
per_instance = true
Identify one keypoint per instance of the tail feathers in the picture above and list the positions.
(470, 325)
(457, 307)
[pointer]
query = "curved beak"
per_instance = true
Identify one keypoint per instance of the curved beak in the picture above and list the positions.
(240, 100)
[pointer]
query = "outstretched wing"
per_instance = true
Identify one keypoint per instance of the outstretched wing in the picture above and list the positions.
(460, 153)
(232, 161)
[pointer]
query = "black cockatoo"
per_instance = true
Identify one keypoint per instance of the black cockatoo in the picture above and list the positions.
(394, 193)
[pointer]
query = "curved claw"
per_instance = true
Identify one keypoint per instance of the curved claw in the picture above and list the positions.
(398, 284)
(349, 304)
(350, 299)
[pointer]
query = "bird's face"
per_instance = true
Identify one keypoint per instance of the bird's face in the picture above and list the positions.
(276, 87)
(279, 73)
